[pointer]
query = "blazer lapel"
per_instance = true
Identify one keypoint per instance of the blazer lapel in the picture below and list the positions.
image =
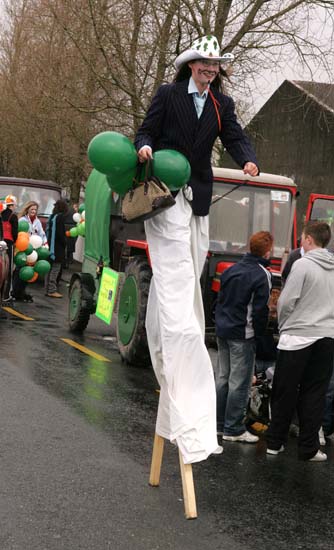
(208, 122)
(185, 111)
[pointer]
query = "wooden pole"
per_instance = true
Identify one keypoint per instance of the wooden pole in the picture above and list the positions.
(188, 489)
(158, 451)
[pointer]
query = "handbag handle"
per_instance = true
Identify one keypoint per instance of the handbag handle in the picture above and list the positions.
(148, 172)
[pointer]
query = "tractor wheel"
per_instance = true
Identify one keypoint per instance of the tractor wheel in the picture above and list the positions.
(79, 306)
(131, 332)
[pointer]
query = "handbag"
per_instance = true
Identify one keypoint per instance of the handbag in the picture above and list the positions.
(146, 198)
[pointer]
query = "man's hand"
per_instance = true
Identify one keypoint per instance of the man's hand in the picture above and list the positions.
(251, 169)
(145, 153)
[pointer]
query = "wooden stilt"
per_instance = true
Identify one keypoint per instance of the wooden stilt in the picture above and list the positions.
(188, 488)
(158, 451)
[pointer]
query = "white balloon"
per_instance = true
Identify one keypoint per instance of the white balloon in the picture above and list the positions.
(36, 241)
(32, 258)
(83, 215)
(76, 217)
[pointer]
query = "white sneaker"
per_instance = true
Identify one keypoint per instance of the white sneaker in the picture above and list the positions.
(245, 437)
(275, 451)
(218, 451)
(322, 439)
(319, 457)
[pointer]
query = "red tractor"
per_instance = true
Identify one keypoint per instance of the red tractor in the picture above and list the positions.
(321, 207)
(240, 207)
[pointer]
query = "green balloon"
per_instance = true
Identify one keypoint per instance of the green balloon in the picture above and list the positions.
(74, 231)
(81, 208)
(42, 267)
(20, 259)
(43, 253)
(81, 229)
(23, 226)
(29, 249)
(172, 168)
(112, 153)
(123, 182)
(26, 273)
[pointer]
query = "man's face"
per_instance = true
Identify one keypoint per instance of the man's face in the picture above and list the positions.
(305, 242)
(204, 71)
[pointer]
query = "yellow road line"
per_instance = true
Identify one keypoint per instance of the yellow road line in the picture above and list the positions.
(85, 350)
(17, 314)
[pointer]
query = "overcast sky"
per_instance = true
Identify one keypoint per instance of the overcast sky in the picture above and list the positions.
(322, 29)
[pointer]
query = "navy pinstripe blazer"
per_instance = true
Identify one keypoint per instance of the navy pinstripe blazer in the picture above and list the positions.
(172, 123)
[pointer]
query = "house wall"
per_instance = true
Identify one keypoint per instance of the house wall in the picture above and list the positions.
(294, 136)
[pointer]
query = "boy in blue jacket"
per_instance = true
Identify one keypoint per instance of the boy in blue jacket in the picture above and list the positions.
(241, 317)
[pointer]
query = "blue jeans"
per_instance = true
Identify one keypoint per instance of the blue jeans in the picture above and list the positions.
(235, 368)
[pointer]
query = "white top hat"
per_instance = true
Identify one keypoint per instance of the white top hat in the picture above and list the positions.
(206, 47)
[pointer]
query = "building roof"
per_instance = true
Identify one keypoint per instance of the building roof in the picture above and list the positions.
(320, 92)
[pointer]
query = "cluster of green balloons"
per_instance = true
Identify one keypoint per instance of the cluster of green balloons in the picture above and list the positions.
(31, 273)
(30, 256)
(114, 155)
(80, 228)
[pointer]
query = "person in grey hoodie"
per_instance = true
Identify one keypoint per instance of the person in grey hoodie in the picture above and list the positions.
(306, 346)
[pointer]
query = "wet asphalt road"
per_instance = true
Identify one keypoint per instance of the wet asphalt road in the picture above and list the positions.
(76, 439)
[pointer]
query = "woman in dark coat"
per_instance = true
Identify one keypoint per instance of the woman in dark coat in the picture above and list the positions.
(57, 243)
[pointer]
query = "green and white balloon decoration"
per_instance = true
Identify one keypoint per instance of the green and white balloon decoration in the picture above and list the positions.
(29, 253)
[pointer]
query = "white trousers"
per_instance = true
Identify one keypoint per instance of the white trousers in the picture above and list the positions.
(175, 324)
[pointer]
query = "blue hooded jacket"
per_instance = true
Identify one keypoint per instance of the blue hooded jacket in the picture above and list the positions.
(242, 306)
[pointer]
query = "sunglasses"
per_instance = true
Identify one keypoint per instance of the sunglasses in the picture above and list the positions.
(208, 63)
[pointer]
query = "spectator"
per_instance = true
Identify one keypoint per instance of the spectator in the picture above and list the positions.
(326, 428)
(57, 243)
(293, 256)
(70, 241)
(266, 352)
(241, 318)
(29, 214)
(10, 232)
(306, 346)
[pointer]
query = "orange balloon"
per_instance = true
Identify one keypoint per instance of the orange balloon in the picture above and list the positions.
(67, 233)
(22, 241)
(33, 278)
(23, 234)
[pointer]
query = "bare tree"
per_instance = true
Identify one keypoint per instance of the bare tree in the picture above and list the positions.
(71, 69)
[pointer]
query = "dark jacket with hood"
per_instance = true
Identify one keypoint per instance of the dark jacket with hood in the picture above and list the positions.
(56, 237)
(242, 308)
